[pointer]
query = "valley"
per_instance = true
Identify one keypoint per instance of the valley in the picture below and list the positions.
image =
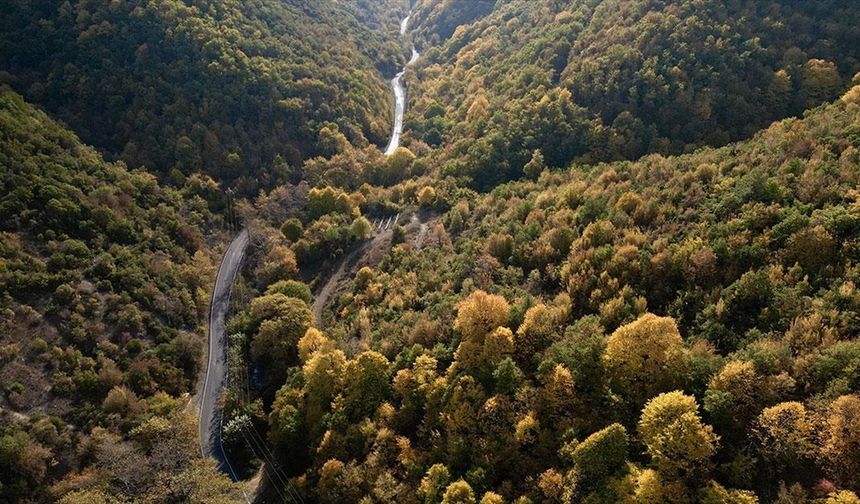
(429, 251)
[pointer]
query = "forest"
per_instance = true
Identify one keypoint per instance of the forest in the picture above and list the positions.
(237, 90)
(592, 81)
(104, 281)
(615, 258)
(675, 329)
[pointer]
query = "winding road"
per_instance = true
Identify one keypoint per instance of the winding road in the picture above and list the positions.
(400, 95)
(210, 414)
(216, 367)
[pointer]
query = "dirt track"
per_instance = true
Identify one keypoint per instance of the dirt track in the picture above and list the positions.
(364, 254)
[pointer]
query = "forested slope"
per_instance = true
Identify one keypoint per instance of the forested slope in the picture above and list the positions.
(228, 88)
(674, 329)
(104, 281)
(604, 80)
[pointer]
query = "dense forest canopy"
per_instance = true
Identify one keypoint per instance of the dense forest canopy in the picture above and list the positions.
(675, 329)
(615, 258)
(226, 88)
(605, 80)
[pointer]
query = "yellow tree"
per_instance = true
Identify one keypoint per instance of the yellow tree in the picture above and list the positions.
(536, 332)
(323, 373)
(840, 448)
(644, 358)
(843, 497)
(492, 498)
(459, 492)
(480, 313)
(527, 429)
(785, 434)
(426, 197)
(737, 393)
(714, 493)
(278, 264)
(559, 395)
(313, 341)
(433, 482)
(679, 443)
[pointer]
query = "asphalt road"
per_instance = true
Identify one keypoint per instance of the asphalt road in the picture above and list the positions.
(216, 368)
(399, 97)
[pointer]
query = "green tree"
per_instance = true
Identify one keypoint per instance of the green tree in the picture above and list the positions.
(535, 166)
(398, 166)
(361, 229)
(292, 229)
(291, 288)
(507, 376)
(278, 334)
(366, 384)
(601, 454)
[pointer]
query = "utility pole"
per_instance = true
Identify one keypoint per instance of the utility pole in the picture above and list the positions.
(231, 216)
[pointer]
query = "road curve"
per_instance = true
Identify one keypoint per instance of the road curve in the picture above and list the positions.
(216, 367)
(400, 96)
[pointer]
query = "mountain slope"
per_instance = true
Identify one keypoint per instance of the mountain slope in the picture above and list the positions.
(600, 81)
(513, 352)
(104, 280)
(229, 88)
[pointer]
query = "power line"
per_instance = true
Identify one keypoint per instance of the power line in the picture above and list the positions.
(265, 467)
(271, 463)
(271, 457)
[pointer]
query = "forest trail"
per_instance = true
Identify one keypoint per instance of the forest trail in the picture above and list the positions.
(375, 247)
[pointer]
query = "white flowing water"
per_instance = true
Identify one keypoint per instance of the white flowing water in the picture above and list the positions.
(400, 96)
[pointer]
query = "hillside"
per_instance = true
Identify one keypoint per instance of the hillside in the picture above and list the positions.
(226, 88)
(613, 258)
(104, 281)
(609, 80)
(521, 351)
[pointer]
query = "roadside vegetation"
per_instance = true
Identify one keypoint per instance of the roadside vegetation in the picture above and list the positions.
(104, 285)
